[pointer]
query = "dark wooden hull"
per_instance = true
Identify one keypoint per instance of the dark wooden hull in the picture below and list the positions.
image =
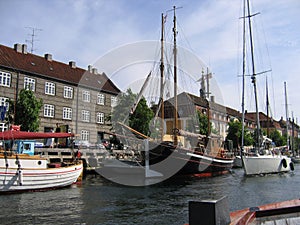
(189, 161)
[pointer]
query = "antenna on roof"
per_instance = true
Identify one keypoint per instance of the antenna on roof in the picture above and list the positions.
(33, 35)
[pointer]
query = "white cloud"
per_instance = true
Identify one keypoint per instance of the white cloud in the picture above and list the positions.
(83, 31)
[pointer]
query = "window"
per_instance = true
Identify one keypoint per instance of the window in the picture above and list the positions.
(5, 79)
(67, 113)
(86, 96)
(85, 135)
(49, 88)
(3, 127)
(100, 117)
(100, 99)
(68, 92)
(4, 102)
(29, 83)
(48, 110)
(114, 101)
(85, 115)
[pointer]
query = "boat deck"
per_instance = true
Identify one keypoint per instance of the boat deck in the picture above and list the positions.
(290, 218)
(287, 212)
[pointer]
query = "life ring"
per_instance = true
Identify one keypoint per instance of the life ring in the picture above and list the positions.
(284, 163)
(292, 166)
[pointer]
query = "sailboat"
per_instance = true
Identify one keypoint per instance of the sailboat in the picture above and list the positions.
(264, 160)
(181, 151)
(21, 170)
(295, 157)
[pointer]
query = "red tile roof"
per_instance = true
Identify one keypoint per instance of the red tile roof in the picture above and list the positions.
(51, 69)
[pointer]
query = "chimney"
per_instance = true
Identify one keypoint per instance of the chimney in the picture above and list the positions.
(72, 64)
(94, 70)
(212, 98)
(24, 49)
(90, 68)
(18, 48)
(48, 57)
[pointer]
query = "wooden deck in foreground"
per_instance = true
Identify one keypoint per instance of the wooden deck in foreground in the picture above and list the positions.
(287, 212)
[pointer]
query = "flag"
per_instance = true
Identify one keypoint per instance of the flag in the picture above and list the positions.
(2, 112)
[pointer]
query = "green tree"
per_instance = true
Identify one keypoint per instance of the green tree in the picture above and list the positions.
(27, 111)
(122, 110)
(141, 117)
(199, 124)
(203, 123)
(277, 138)
(139, 120)
(235, 134)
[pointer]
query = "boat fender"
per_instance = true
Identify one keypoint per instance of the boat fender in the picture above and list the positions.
(292, 166)
(78, 155)
(284, 163)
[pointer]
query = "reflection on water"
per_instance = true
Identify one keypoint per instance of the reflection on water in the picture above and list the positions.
(99, 201)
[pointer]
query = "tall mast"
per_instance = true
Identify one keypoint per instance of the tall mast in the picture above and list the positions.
(253, 78)
(162, 76)
(287, 118)
(268, 105)
(243, 79)
(175, 80)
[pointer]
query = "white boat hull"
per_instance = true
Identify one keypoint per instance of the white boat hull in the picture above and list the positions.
(33, 174)
(264, 164)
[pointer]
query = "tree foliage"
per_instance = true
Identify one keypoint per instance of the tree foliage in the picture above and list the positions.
(27, 111)
(199, 124)
(203, 123)
(122, 110)
(277, 138)
(235, 134)
(139, 119)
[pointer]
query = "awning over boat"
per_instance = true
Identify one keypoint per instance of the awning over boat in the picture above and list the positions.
(14, 135)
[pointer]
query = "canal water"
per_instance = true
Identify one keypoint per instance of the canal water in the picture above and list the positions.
(99, 201)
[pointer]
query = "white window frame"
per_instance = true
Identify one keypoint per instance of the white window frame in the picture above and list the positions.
(5, 79)
(85, 115)
(85, 135)
(86, 96)
(3, 127)
(100, 99)
(4, 102)
(48, 110)
(68, 92)
(49, 88)
(29, 83)
(113, 101)
(67, 113)
(100, 117)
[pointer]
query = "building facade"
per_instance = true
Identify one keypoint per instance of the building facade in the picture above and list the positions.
(74, 100)
(78, 100)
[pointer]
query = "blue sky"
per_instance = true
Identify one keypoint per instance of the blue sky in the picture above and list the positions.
(84, 31)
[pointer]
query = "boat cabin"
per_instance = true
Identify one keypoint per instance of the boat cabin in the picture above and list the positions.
(25, 146)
